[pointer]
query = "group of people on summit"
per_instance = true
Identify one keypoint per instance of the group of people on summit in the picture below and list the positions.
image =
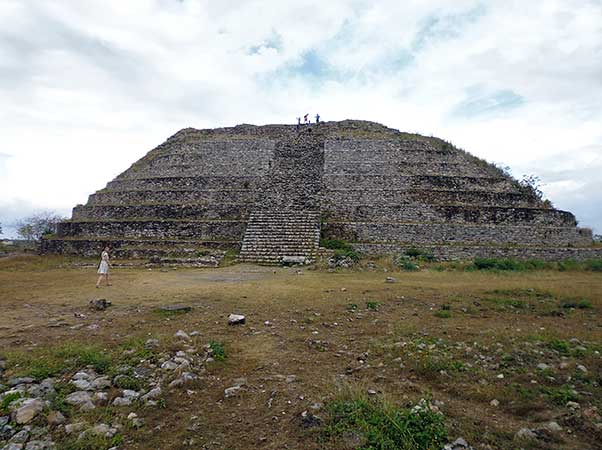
(306, 120)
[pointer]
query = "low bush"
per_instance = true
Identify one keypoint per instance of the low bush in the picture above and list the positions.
(508, 302)
(422, 255)
(382, 426)
(218, 352)
(352, 254)
(7, 400)
(576, 304)
(560, 346)
(335, 244)
(372, 305)
(128, 382)
(407, 264)
(498, 264)
(83, 355)
(568, 264)
(49, 362)
(560, 396)
(595, 265)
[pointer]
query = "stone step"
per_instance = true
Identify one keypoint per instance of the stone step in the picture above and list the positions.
(275, 233)
(277, 245)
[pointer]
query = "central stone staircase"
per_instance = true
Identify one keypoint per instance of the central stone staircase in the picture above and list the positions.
(285, 224)
(272, 237)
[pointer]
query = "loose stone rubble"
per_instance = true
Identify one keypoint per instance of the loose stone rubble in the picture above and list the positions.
(236, 319)
(99, 304)
(32, 424)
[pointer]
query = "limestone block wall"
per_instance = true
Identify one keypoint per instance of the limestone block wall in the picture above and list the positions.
(181, 197)
(465, 252)
(457, 214)
(185, 183)
(157, 228)
(384, 196)
(125, 248)
(425, 233)
(459, 182)
(199, 211)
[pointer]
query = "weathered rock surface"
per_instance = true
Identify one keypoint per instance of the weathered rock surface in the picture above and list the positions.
(99, 304)
(236, 319)
(28, 410)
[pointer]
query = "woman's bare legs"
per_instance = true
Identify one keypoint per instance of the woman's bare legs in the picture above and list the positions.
(108, 283)
(99, 280)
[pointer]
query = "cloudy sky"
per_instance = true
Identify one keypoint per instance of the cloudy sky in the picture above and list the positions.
(89, 86)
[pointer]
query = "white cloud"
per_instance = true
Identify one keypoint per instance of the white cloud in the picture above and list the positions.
(87, 88)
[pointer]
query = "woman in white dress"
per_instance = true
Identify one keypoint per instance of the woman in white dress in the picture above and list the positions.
(103, 268)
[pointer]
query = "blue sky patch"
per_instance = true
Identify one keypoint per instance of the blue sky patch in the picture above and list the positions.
(479, 104)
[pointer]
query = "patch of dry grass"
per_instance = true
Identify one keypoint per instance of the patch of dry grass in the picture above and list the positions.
(400, 348)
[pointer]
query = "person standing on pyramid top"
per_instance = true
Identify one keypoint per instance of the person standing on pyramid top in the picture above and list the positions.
(317, 118)
(306, 119)
(103, 267)
(298, 122)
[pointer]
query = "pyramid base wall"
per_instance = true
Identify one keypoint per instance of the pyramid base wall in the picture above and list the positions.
(466, 253)
(134, 249)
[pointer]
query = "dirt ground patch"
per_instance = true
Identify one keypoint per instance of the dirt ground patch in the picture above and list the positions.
(462, 339)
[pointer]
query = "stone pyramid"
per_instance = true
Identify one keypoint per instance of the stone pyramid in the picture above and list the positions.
(269, 192)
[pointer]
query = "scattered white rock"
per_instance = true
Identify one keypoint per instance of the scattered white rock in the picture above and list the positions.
(102, 429)
(21, 437)
(128, 393)
(77, 398)
(28, 410)
(82, 376)
(542, 366)
(525, 434)
(553, 427)
(231, 391)
(236, 319)
(169, 365)
(100, 383)
(495, 403)
(40, 445)
(81, 384)
(152, 394)
(74, 427)
(55, 418)
(13, 447)
(185, 378)
(101, 397)
(99, 304)
(121, 401)
(180, 334)
(151, 344)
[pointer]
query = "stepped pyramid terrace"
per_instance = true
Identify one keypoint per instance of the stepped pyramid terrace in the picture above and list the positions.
(271, 192)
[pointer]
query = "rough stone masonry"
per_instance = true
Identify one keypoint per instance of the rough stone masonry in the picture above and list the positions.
(272, 191)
